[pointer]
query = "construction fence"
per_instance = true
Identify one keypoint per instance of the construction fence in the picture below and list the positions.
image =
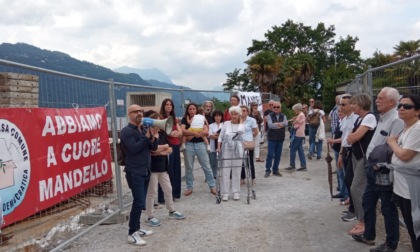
(25, 88)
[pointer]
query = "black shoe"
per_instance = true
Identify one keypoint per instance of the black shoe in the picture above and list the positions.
(267, 174)
(382, 248)
(336, 196)
(318, 158)
(290, 168)
(343, 199)
(309, 156)
(302, 169)
(361, 238)
(349, 217)
(278, 174)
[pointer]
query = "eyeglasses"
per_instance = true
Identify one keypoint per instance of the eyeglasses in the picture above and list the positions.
(405, 106)
(276, 107)
(137, 111)
(343, 104)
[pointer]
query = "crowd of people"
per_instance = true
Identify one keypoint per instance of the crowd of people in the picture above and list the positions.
(154, 157)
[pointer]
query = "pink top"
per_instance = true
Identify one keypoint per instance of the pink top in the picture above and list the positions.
(299, 125)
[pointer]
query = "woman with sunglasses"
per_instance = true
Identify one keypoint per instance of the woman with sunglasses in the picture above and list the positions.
(406, 160)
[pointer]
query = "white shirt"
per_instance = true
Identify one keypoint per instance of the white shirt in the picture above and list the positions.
(213, 128)
(198, 121)
(346, 126)
(409, 139)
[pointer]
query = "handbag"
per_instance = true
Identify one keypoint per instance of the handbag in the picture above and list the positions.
(248, 145)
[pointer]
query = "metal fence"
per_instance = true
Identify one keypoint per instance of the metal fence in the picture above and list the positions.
(404, 75)
(60, 90)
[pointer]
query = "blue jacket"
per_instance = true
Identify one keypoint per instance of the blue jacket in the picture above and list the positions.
(137, 149)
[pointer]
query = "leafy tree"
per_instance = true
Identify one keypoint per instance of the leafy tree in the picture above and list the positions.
(239, 81)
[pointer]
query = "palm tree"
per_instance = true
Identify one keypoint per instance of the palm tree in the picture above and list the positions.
(264, 67)
(407, 49)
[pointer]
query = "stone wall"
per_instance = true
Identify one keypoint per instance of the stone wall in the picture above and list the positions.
(18, 90)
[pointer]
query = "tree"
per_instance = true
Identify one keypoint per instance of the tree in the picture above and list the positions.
(407, 49)
(264, 67)
(239, 81)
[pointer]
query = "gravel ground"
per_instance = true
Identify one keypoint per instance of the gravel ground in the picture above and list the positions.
(290, 213)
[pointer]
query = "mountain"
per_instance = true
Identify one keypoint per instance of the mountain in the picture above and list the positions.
(145, 74)
(61, 62)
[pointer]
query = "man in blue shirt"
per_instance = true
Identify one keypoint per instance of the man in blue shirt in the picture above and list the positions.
(137, 142)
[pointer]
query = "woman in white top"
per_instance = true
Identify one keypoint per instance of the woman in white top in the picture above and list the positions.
(231, 153)
(359, 139)
(406, 160)
(214, 131)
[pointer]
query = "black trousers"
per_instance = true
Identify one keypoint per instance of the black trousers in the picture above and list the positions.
(348, 177)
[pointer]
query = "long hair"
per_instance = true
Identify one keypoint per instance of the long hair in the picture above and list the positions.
(188, 106)
(162, 111)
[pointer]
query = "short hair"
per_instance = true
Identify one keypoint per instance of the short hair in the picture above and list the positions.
(345, 96)
(297, 106)
(154, 116)
(245, 107)
(392, 94)
(216, 113)
(235, 109)
(237, 97)
(414, 98)
(362, 100)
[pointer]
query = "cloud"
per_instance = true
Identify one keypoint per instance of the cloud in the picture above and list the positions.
(194, 42)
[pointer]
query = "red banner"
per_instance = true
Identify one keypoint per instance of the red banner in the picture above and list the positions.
(48, 155)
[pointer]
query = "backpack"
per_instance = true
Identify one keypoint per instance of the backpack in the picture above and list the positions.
(314, 119)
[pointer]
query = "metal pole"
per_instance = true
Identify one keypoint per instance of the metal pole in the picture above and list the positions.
(112, 104)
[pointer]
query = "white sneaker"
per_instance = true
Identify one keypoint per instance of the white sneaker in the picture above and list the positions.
(144, 232)
(135, 239)
(236, 196)
(225, 197)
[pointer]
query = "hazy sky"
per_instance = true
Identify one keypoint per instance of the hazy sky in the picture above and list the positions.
(194, 42)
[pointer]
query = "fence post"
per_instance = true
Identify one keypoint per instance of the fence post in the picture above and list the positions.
(369, 85)
(113, 105)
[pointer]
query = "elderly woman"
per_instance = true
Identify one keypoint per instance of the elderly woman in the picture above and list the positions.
(406, 160)
(363, 130)
(298, 124)
(231, 150)
(195, 147)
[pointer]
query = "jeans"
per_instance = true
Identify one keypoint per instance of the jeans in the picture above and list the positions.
(174, 172)
(213, 163)
(297, 145)
(312, 133)
(388, 208)
(340, 177)
(138, 184)
(199, 150)
(274, 152)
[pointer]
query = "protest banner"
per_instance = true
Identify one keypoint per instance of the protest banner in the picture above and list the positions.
(48, 155)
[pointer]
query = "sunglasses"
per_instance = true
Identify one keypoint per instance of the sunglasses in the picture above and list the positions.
(276, 107)
(405, 106)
